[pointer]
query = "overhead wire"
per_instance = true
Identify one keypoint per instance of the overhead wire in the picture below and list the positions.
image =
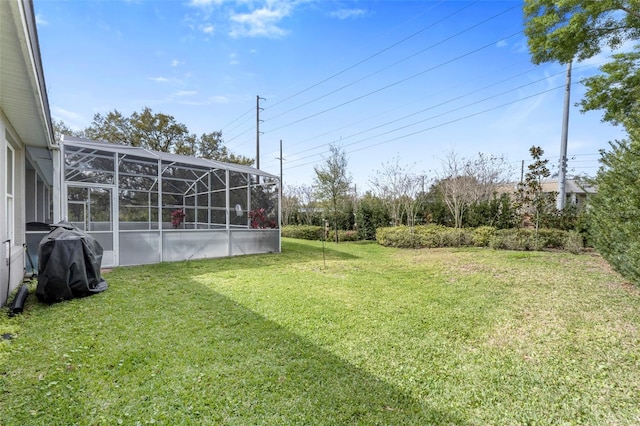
(457, 98)
(406, 58)
(389, 66)
(438, 125)
(441, 104)
(369, 146)
(393, 84)
(378, 53)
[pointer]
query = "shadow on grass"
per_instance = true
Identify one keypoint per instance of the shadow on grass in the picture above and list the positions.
(313, 250)
(181, 353)
(292, 252)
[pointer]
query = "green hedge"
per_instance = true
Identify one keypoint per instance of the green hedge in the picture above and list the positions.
(302, 232)
(309, 232)
(431, 236)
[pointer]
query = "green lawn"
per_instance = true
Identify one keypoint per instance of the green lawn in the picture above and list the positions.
(377, 336)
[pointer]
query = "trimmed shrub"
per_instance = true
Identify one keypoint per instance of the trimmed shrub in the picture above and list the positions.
(457, 237)
(343, 235)
(302, 232)
(430, 236)
(551, 238)
(482, 236)
(514, 239)
(398, 236)
(574, 243)
(424, 236)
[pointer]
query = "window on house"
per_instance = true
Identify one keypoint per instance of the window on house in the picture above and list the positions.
(10, 187)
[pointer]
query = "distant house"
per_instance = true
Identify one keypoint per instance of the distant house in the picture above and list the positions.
(577, 191)
(27, 144)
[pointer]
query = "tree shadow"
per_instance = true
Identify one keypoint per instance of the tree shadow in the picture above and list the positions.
(292, 252)
(194, 356)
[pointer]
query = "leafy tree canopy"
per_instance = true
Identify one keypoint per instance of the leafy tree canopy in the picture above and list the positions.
(332, 182)
(616, 91)
(568, 30)
(156, 131)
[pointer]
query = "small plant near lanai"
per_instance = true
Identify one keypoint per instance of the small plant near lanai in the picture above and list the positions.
(259, 219)
(177, 216)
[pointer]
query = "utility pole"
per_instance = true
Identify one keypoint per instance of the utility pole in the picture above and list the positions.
(258, 109)
(281, 189)
(562, 177)
(280, 158)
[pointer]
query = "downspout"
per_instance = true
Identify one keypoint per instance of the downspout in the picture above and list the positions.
(8, 272)
(58, 170)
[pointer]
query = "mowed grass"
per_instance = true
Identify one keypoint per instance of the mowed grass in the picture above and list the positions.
(369, 335)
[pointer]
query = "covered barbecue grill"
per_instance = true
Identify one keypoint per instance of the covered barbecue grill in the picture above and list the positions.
(69, 265)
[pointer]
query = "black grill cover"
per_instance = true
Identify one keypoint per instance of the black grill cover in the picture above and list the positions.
(69, 265)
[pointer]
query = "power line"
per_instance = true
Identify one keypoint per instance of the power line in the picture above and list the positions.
(394, 83)
(441, 124)
(426, 109)
(374, 55)
(238, 118)
(444, 103)
(444, 90)
(406, 58)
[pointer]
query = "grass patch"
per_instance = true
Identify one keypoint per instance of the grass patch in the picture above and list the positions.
(378, 336)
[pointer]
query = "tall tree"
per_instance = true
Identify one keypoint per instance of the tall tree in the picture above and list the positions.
(112, 127)
(310, 210)
(290, 206)
(160, 132)
(371, 214)
(569, 30)
(332, 182)
(615, 209)
(533, 201)
(211, 146)
(466, 181)
(616, 91)
(576, 30)
(61, 128)
(392, 184)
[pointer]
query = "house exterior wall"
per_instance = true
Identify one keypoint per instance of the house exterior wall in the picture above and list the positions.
(11, 253)
(25, 124)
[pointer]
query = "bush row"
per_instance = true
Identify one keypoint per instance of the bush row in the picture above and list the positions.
(431, 236)
(310, 232)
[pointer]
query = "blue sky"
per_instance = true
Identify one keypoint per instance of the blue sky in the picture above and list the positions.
(412, 80)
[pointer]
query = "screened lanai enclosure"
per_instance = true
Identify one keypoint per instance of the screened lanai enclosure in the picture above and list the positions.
(146, 206)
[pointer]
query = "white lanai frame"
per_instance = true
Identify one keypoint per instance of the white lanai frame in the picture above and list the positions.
(146, 206)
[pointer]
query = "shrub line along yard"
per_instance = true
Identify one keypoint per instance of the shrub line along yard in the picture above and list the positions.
(378, 336)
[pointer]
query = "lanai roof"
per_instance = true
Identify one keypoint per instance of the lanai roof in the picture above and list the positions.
(164, 156)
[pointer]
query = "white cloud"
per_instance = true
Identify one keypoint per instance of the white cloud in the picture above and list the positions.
(348, 13)
(605, 55)
(207, 29)
(40, 20)
(159, 79)
(233, 59)
(186, 93)
(203, 3)
(66, 114)
(219, 99)
(176, 62)
(261, 22)
(501, 43)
